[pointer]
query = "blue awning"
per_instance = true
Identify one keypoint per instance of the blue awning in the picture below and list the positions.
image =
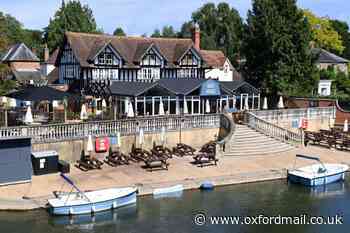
(210, 88)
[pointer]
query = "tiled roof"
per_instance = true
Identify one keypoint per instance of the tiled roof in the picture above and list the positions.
(86, 45)
(214, 58)
(178, 86)
(19, 52)
(53, 57)
(325, 56)
(130, 88)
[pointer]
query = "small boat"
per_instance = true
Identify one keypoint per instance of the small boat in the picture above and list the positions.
(92, 201)
(317, 174)
(207, 185)
(172, 189)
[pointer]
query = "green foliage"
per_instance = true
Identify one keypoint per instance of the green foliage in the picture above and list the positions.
(343, 30)
(156, 34)
(119, 32)
(277, 39)
(167, 32)
(71, 16)
(6, 86)
(323, 33)
(221, 28)
(12, 31)
(340, 82)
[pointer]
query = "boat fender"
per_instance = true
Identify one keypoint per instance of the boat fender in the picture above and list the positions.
(71, 211)
(115, 205)
(207, 185)
(93, 209)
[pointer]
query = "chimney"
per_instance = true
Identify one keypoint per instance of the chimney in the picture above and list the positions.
(196, 36)
(46, 53)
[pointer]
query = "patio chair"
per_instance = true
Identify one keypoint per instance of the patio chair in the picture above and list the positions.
(206, 155)
(88, 162)
(161, 151)
(154, 161)
(139, 154)
(182, 149)
(116, 158)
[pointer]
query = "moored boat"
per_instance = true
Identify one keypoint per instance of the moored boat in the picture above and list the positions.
(166, 190)
(317, 174)
(91, 202)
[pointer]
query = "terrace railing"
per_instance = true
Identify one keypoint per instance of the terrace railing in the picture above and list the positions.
(288, 114)
(272, 130)
(64, 132)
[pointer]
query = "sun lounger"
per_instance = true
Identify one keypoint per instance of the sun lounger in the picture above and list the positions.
(88, 162)
(117, 158)
(183, 150)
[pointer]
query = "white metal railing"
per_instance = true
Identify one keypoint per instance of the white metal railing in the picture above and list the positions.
(287, 114)
(63, 132)
(272, 130)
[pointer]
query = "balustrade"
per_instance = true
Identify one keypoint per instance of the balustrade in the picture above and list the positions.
(62, 132)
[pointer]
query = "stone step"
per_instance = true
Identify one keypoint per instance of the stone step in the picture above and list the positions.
(270, 145)
(247, 141)
(253, 139)
(255, 153)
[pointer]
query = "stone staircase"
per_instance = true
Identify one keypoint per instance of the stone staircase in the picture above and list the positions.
(247, 141)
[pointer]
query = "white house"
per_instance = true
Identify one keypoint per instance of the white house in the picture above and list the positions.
(221, 67)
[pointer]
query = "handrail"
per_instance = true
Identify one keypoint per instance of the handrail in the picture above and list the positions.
(309, 113)
(272, 130)
(62, 132)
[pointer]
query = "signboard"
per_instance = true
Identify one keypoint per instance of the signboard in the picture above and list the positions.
(210, 88)
(303, 123)
(102, 144)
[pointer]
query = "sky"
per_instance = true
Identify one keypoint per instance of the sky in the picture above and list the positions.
(137, 17)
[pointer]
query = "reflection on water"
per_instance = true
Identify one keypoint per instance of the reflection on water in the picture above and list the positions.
(175, 212)
(89, 222)
(329, 190)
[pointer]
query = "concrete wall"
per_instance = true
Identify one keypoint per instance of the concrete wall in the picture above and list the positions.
(313, 124)
(71, 150)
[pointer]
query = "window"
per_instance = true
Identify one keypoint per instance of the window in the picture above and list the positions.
(70, 71)
(189, 60)
(187, 73)
(105, 59)
(148, 74)
(151, 59)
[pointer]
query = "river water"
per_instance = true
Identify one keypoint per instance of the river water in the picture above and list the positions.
(176, 214)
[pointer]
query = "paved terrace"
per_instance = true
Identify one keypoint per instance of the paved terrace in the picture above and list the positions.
(230, 170)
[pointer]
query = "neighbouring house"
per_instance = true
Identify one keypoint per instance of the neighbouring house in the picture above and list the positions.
(148, 71)
(325, 60)
(24, 65)
(221, 67)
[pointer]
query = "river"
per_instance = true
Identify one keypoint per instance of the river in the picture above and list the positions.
(176, 214)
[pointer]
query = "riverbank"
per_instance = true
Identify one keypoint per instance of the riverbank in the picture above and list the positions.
(230, 171)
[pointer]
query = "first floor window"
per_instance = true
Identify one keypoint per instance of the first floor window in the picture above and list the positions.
(187, 73)
(149, 74)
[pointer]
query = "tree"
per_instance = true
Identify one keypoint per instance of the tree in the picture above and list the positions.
(323, 33)
(168, 32)
(186, 30)
(71, 16)
(277, 49)
(156, 34)
(221, 28)
(119, 32)
(343, 30)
